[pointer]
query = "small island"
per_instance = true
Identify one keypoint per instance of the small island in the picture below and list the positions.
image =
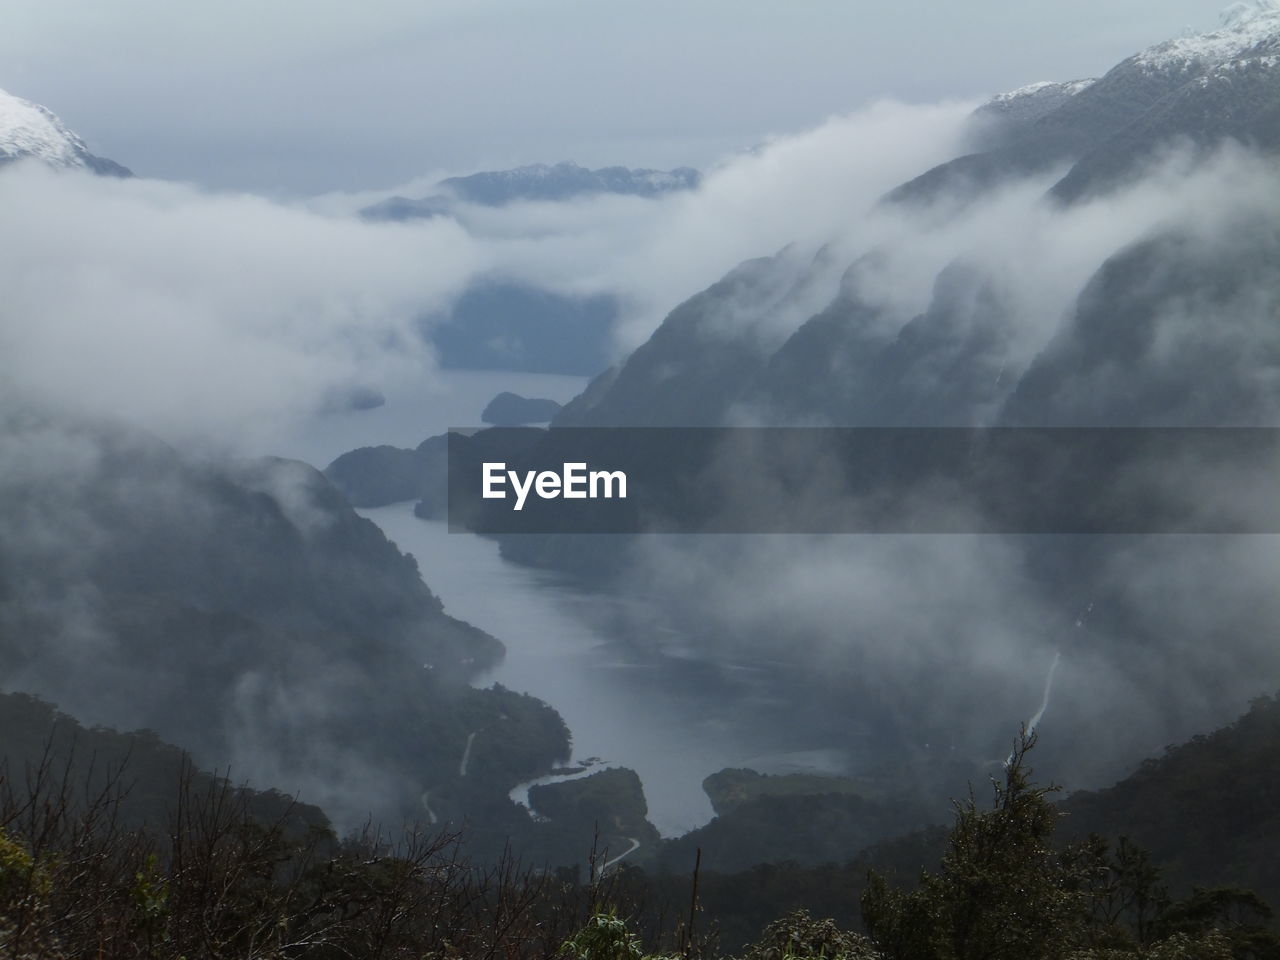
(512, 410)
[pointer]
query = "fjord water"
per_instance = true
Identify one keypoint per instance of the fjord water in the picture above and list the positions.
(626, 681)
(628, 686)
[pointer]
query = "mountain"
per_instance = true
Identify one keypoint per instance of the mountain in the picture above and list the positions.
(797, 818)
(537, 182)
(1204, 810)
(855, 362)
(243, 610)
(1134, 352)
(1116, 267)
(1203, 87)
(565, 180)
(36, 738)
(377, 476)
(1204, 813)
(500, 324)
(1224, 84)
(512, 410)
(28, 130)
(396, 209)
(1028, 104)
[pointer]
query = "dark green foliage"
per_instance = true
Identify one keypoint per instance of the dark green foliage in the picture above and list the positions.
(613, 796)
(730, 788)
(215, 881)
(799, 936)
(42, 749)
(222, 880)
(801, 818)
(1000, 891)
(245, 611)
(1003, 890)
(604, 937)
(605, 811)
(1206, 810)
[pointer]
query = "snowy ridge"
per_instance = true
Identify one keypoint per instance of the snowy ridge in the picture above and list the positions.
(30, 130)
(1247, 38)
(1225, 70)
(1034, 100)
(1068, 88)
(1243, 27)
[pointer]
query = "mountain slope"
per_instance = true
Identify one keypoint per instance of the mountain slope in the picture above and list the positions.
(855, 361)
(244, 611)
(36, 738)
(1105, 129)
(1008, 305)
(1205, 810)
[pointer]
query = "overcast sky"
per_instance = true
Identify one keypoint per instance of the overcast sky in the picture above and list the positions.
(303, 96)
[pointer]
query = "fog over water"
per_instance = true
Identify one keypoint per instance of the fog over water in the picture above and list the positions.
(222, 323)
(672, 718)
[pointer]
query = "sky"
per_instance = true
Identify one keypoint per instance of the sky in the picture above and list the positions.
(297, 98)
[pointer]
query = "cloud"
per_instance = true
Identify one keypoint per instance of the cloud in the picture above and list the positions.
(804, 189)
(950, 638)
(301, 94)
(227, 317)
(196, 313)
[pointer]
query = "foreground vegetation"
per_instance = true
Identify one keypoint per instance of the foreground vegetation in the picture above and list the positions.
(218, 881)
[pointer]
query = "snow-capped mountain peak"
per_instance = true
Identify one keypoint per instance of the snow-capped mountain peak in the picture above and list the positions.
(28, 130)
(1242, 28)
(1239, 14)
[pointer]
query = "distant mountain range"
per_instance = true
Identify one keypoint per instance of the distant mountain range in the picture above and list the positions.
(28, 130)
(543, 182)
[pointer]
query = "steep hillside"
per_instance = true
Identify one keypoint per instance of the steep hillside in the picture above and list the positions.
(244, 611)
(1206, 810)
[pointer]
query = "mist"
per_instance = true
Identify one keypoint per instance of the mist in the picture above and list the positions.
(948, 641)
(243, 312)
(222, 321)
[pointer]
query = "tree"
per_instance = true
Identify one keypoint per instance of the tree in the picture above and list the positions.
(1002, 892)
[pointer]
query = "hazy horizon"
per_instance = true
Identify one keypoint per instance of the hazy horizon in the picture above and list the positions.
(297, 100)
